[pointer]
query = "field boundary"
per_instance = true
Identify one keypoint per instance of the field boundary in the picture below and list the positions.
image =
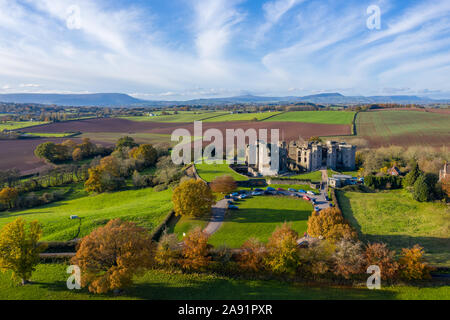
(156, 234)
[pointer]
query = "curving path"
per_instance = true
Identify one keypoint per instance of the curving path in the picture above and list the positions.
(218, 215)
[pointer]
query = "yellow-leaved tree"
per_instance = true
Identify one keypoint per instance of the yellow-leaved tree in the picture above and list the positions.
(19, 248)
(330, 224)
(282, 250)
(110, 256)
(192, 198)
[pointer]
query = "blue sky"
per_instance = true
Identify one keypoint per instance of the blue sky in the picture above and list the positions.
(184, 49)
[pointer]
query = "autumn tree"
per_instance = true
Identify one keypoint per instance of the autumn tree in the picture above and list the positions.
(445, 184)
(379, 254)
(19, 248)
(126, 142)
(167, 251)
(192, 198)
(348, 258)
(77, 154)
(412, 265)
(195, 250)
(8, 197)
(252, 255)
(145, 152)
(316, 259)
(223, 184)
(330, 224)
(111, 255)
(282, 250)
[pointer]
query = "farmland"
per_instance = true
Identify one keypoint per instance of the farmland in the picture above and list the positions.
(402, 128)
(258, 217)
(243, 117)
(325, 117)
(395, 218)
(179, 117)
(145, 207)
(15, 125)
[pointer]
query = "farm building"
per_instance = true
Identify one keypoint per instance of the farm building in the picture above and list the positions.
(340, 180)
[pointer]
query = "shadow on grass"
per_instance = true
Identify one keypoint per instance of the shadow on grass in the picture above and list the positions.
(437, 250)
(259, 215)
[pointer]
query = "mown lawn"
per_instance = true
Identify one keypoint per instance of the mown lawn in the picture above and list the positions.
(395, 218)
(326, 117)
(209, 172)
(315, 176)
(145, 207)
(258, 217)
(259, 116)
(49, 282)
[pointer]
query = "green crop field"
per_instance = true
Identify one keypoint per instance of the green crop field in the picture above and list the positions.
(13, 125)
(180, 117)
(395, 218)
(258, 217)
(259, 116)
(49, 283)
(145, 207)
(50, 135)
(112, 137)
(209, 172)
(326, 117)
(397, 126)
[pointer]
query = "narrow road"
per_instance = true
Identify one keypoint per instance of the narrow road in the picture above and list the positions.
(218, 214)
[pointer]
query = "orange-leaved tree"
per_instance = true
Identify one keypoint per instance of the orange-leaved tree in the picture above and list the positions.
(223, 184)
(330, 224)
(111, 255)
(378, 254)
(192, 198)
(196, 250)
(252, 255)
(282, 250)
(19, 248)
(413, 265)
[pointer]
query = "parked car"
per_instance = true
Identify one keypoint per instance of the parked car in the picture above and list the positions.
(227, 196)
(302, 191)
(235, 194)
(327, 198)
(316, 209)
(311, 193)
(306, 198)
(280, 189)
(242, 192)
(292, 190)
(268, 193)
(232, 207)
(259, 190)
(257, 193)
(270, 189)
(230, 201)
(243, 196)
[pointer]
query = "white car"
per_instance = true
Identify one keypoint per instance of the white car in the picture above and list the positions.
(311, 193)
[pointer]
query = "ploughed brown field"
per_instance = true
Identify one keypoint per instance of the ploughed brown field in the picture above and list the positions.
(288, 130)
(20, 153)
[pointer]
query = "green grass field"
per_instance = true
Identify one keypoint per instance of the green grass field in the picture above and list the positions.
(259, 116)
(258, 217)
(295, 186)
(326, 117)
(145, 207)
(13, 125)
(49, 283)
(50, 135)
(112, 137)
(395, 218)
(315, 176)
(209, 172)
(186, 116)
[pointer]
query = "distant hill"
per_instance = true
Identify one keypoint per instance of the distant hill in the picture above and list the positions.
(124, 100)
(95, 99)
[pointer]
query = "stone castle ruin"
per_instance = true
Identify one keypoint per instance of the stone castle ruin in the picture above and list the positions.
(300, 157)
